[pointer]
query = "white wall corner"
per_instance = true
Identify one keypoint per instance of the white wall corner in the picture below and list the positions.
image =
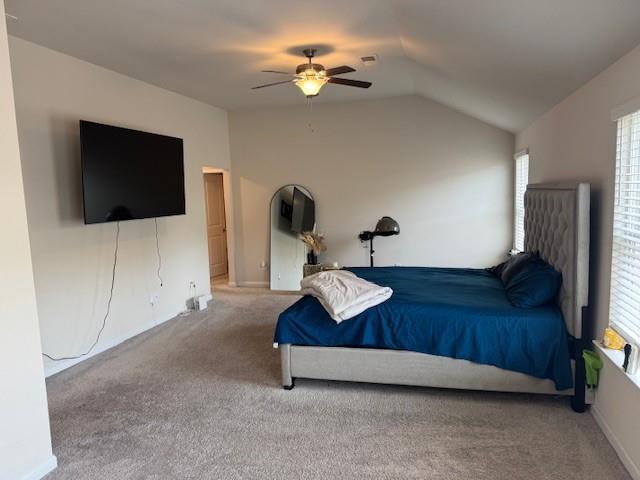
(627, 108)
(49, 465)
(625, 458)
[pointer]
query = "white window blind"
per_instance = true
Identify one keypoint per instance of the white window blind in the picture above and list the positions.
(624, 307)
(521, 180)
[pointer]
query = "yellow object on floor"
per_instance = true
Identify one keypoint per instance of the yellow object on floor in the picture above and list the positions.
(612, 340)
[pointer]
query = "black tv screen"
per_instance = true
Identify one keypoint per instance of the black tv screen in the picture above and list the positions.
(303, 212)
(128, 174)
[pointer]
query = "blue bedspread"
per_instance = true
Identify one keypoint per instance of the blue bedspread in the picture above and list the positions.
(452, 312)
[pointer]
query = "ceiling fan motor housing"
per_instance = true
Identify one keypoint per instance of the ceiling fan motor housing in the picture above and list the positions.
(303, 67)
(309, 52)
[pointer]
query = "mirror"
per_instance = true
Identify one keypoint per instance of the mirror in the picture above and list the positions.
(292, 212)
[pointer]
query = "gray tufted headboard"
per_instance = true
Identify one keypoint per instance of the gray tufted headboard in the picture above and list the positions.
(556, 225)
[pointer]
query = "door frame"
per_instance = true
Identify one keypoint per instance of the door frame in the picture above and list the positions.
(228, 215)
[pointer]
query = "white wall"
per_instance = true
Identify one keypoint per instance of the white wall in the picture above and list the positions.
(576, 141)
(25, 441)
(71, 261)
(446, 178)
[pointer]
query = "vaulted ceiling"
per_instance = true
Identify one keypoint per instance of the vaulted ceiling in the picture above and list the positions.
(502, 61)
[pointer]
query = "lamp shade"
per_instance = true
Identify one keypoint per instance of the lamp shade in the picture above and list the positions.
(387, 226)
(310, 82)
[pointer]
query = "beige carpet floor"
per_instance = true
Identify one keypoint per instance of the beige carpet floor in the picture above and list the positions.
(199, 398)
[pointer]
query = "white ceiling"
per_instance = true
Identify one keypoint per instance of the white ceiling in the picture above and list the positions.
(503, 61)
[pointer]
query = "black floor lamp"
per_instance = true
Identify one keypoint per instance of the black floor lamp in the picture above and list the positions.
(385, 227)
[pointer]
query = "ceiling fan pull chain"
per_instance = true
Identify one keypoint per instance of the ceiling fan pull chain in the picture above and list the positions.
(310, 104)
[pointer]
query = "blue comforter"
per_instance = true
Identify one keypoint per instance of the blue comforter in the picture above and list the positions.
(452, 312)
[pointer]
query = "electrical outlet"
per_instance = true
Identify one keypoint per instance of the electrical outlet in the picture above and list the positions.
(154, 299)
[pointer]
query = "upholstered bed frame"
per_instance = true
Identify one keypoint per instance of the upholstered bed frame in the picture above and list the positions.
(557, 227)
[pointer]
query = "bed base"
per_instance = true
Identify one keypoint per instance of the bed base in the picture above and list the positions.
(398, 367)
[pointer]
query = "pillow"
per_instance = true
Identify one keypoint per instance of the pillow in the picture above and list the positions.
(497, 269)
(534, 284)
(505, 270)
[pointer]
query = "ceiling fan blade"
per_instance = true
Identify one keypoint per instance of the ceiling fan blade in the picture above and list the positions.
(271, 84)
(339, 70)
(277, 71)
(349, 82)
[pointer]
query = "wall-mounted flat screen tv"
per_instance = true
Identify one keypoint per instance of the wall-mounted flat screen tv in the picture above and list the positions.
(129, 175)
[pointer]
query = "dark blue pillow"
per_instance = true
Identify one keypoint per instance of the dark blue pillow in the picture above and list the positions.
(506, 270)
(534, 284)
(497, 269)
(514, 264)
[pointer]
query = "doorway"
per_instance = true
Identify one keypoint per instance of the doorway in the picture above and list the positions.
(216, 228)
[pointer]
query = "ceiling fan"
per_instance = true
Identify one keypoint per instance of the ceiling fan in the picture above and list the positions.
(310, 77)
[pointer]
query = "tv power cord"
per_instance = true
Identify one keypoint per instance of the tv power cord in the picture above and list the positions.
(158, 251)
(106, 315)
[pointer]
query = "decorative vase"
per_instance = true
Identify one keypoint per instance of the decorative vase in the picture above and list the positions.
(312, 258)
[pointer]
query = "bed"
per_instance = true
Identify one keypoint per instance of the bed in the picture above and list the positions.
(455, 328)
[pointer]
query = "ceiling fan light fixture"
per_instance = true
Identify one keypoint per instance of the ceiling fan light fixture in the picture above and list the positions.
(310, 82)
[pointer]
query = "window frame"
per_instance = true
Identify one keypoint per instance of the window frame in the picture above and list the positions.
(622, 236)
(521, 158)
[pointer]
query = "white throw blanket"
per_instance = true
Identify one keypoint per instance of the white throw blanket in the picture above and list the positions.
(343, 294)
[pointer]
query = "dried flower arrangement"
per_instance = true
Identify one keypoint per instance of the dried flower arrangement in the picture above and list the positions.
(315, 243)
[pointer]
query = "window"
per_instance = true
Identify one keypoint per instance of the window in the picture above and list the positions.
(624, 306)
(521, 180)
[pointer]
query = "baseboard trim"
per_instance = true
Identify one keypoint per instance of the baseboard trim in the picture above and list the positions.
(626, 460)
(57, 367)
(254, 284)
(41, 470)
